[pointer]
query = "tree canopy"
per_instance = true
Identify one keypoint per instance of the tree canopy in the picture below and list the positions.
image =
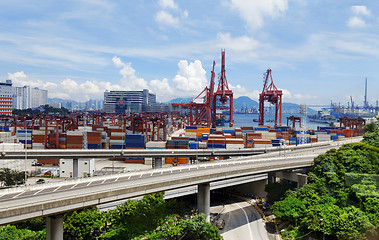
(341, 199)
(150, 218)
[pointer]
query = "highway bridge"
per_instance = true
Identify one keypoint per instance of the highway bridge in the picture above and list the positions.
(51, 201)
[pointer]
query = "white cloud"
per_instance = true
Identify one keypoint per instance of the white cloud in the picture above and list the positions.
(243, 43)
(356, 22)
(171, 15)
(129, 78)
(360, 10)
(162, 89)
(190, 78)
(165, 18)
(297, 97)
(239, 91)
(167, 4)
(255, 12)
(66, 89)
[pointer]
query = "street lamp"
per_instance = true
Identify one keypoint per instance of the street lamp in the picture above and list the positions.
(323, 224)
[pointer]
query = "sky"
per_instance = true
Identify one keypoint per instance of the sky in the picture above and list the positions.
(319, 50)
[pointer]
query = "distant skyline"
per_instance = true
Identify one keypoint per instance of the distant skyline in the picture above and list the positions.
(318, 50)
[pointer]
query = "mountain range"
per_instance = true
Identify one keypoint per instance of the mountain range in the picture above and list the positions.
(244, 102)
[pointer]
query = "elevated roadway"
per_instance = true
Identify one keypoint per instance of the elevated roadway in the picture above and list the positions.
(22, 203)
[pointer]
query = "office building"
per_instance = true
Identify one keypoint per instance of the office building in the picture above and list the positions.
(6, 98)
(128, 101)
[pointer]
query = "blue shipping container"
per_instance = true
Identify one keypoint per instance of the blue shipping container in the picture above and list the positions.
(94, 146)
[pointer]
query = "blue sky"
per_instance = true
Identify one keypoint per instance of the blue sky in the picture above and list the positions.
(319, 50)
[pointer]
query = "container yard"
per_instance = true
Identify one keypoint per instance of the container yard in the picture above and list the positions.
(116, 132)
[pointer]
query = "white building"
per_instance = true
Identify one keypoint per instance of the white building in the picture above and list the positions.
(85, 168)
(27, 97)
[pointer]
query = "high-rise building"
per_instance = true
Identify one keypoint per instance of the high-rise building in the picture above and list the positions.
(27, 97)
(6, 95)
(127, 101)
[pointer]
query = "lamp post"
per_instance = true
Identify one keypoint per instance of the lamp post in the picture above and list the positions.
(323, 224)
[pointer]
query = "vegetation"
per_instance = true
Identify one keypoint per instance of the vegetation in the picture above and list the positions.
(12, 232)
(341, 199)
(150, 218)
(10, 177)
(43, 109)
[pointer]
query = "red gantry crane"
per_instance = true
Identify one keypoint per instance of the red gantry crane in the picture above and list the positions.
(223, 95)
(203, 108)
(274, 96)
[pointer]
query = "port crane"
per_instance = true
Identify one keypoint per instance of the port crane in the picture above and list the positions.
(203, 108)
(223, 97)
(273, 95)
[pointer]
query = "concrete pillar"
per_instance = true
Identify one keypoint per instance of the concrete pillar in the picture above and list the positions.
(271, 177)
(75, 168)
(204, 199)
(54, 227)
(157, 162)
(301, 180)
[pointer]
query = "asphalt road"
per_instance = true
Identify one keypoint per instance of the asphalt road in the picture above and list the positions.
(242, 222)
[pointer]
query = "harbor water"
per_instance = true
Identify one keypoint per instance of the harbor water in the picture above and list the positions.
(246, 120)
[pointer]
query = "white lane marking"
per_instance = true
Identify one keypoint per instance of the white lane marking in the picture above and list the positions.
(129, 177)
(180, 170)
(18, 194)
(89, 183)
(189, 169)
(151, 174)
(162, 172)
(197, 167)
(116, 179)
(2, 195)
(171, 171)
(57, 188)
(74, 186)
(247, 220)
(140, 176)
(103, 181)
(39, 191)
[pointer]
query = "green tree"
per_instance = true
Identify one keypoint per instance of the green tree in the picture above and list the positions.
(371, 127)
(10, 177)
(290, 209)
(12, 232)
(276, 191)
(192, 227)
(134, 218)
(85, 224)
(353, 224)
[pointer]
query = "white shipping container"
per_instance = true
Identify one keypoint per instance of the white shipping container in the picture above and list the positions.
(159, 145)
(235, 146)
(74, 133)
(118, 134)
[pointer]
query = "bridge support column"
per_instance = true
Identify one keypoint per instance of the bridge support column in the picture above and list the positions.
(204, 199)
(54, 227)
(157, 162)
(271, 178)
(75, 168)
(301, 180)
